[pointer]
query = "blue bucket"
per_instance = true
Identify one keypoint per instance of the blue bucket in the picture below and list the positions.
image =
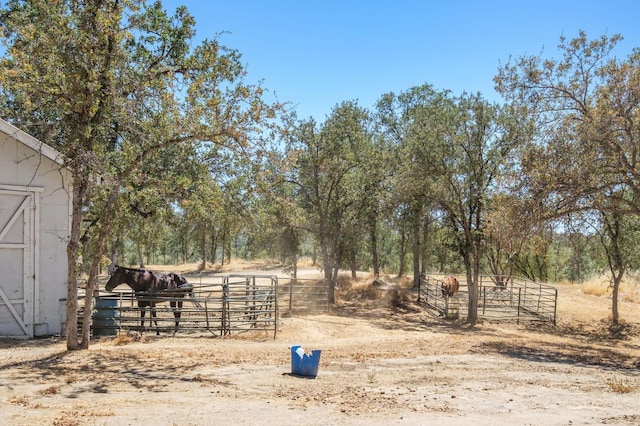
(303, 364)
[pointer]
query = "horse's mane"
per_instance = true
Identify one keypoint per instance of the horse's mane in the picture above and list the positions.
(132, 269)
(146, 270)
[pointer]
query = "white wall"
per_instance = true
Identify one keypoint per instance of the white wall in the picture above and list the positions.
(22, 166)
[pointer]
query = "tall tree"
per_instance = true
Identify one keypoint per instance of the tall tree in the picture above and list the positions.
(585, 106)
(472, 153)
(373, 199)
(111, 84)
(410, 123)
(325, 163)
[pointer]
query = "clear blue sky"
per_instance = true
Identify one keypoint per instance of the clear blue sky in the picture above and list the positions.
(316, 54)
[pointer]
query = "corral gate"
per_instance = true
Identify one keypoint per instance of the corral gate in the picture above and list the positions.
(518, 299)
(303, 295)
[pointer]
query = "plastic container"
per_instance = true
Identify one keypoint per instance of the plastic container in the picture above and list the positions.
(303, 364)
(104, 316)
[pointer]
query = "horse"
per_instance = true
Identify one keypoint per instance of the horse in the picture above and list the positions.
(450, 286)
(147, 285)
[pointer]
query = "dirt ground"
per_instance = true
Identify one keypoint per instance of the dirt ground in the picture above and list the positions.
(380, 365)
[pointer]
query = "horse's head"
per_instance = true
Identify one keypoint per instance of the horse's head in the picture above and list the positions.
(450, 286)
(116, 279)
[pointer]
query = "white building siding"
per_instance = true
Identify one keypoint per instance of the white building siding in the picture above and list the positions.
(33, 257)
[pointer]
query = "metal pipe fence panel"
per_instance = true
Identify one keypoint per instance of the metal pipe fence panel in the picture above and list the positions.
(300, 295)
(222, 306)
(515, 299)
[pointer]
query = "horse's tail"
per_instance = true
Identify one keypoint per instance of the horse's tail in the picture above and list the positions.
(182, 284)
(192, 295)
(195, 301)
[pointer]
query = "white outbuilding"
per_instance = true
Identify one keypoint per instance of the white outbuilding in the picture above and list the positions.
(35, 223)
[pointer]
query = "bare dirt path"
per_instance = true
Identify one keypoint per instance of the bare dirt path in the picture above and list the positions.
(379, 365)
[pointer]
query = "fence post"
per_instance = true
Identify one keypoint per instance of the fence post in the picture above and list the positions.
(519, 294)
(555, 305)
(224, 326)
(446, 306)
(291, 282)
(206, 314)
(484, 299)
(274, 284)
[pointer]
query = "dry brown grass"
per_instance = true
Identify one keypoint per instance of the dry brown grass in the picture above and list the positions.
(79, 416)
(125, 338)
(601, 286)
(52, 390)
(22, 400)
(386, 291)
(618, 385)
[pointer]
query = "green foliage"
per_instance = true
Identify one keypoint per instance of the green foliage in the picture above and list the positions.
(167, 143)
(583, 159)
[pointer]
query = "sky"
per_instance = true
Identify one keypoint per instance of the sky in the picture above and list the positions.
(317, 54)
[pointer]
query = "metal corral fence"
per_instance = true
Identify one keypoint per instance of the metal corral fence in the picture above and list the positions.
(518, 299)
(220, 305)
(303, 295)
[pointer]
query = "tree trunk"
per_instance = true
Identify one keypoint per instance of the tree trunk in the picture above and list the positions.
(425, 248)
(474, 290)
(140, 257)
(615, 316)
(472, 312)
(203, 247)
(403, 253)
(88, 297)
(73, 248)
(328, 257)
(295, 265)
(314, 255)
(96, 250)
(375, 259)
(327, 265)
(214, 247)
(222, 245)
(416, 255)
(113, 256)
(354, 267)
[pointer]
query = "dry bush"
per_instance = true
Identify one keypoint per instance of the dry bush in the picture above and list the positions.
(397, 296)
(620, 385)
(127, 338)
(52, 390)
(65, 420)
(382, 292)
(19, 400)
(349, 289)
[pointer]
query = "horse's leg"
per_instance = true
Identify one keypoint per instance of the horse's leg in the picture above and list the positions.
(176, 313)
(142, 312)
(152, 306)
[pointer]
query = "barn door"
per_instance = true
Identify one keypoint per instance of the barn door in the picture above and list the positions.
(18, 215)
